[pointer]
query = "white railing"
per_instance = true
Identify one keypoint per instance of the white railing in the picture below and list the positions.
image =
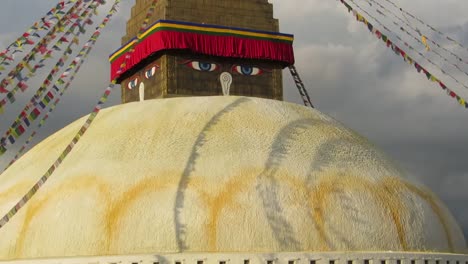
(262, 258)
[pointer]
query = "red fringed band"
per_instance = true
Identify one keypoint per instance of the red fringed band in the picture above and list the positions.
(203, 39)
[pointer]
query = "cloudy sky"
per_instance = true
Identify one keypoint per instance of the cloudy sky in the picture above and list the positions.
(350, 75)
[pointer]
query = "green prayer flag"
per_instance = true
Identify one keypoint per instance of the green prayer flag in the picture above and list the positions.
(18, 131)
(2, 150)
(11, 97)
(32, 116)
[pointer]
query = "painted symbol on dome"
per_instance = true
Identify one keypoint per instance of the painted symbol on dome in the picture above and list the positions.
(203, 66)
(151, 71)
(241, 69)
(133, 83)
(247, 70)
(226, 81)
(141, 91)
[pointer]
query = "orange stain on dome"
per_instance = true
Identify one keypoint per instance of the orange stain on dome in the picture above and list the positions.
(224, 198)
(330, 184)
(123, 203)
(19, 189)
(36, 206)
(429, 198)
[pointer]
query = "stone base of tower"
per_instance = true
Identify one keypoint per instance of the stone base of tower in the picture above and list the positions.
(175, 76)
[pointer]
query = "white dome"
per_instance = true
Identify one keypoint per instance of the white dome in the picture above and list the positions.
(217, 174)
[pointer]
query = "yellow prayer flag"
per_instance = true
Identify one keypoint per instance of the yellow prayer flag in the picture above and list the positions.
(424, 41)
(434, 79)
(19, 45)
(360, 17)
(408, 59)
(30, 69)
(462, 101)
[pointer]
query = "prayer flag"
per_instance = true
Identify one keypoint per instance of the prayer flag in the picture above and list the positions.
(11, 97)
(26, 121)
(23, 86)
(11, 139)
(34, 114)
(20, 130)
(42, 104)
(462, 101)
(2, 150)
(424, 41)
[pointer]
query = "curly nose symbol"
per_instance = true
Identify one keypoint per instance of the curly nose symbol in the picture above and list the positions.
(226, 81)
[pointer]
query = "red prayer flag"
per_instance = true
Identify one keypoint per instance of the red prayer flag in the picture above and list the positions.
(42, 49)
(442, 85)
(23, 86)
(20, 130)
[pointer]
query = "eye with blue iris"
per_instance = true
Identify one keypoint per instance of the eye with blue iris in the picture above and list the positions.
(149, 73)
(203, 66)
(247, 70)
(133, 83)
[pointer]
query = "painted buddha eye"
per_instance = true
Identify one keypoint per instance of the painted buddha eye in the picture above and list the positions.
(133, 83)
(203, 66)
(151, 71)
(247, 70)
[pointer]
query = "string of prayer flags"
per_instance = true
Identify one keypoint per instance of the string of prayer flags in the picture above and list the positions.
(424, 41)
(42, 45)
(44, 119)
(147, 17)
(39, 104)
(458, 58)
(419, 53)
(427, 25)
(407, 58)
(21, 41)
(32, 31)
(20, 204)
(55, 69)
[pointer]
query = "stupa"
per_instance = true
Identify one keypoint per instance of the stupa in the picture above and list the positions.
(170, 178)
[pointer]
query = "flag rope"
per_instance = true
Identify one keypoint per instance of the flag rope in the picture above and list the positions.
(405, 56)
(413, 49)
(27, 197)
(39, 46)
(22, 85)
(458, 58)
(423, 40)
(41, 24)
(16, 129)
(427, 25)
